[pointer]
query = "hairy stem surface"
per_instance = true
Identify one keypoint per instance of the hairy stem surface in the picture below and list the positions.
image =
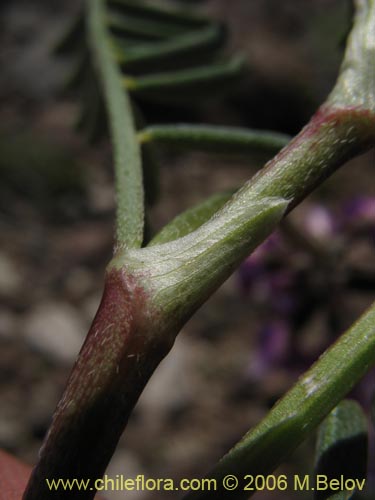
(115, 362)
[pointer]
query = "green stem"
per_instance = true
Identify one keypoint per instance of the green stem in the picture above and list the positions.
(167, 13)
(300, 411)
(211, 138)
(183, 84)
(142, 27)
(194, 43)
(127, 155)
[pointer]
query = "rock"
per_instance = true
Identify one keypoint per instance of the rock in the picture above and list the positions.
(12, 432)
(124, 465)
(55, 329)
(91, 305)
(46, 393)
(78, 283)
(10, 279)
(7, 325)
(170, 388)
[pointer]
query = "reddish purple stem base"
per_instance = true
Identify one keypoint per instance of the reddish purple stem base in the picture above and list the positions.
(114, 364)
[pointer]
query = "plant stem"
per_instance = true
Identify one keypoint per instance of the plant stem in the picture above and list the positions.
(184, 272)
(170, 13)
(127, 155)
(213, 138)
(117, 359)
(185, 84)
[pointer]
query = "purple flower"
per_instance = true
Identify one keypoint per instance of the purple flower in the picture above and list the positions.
(249, 273)
(282, 292)
(360, 210)
(273, 347)
(254, 269)
(274, 341)
(291, 283)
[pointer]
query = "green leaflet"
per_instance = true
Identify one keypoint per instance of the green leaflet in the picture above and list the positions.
(191, 47)
(342, 447)
(189, 39)
(294, 417)
(197, 42)
(165, 13)
(218, 139)
(143, 28)
(185, 84)
(191, 219)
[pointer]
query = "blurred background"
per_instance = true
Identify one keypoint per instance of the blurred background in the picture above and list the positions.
(265, 325)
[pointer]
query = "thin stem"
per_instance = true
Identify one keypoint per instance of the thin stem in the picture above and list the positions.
(218, 139)
(193, 43)
(149, 29)
(127, 155)
(167, 13)
(185, 83)
(300, 411)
